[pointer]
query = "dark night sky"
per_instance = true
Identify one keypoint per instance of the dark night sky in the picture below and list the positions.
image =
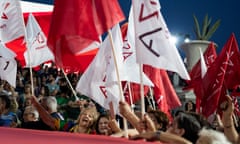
(178, 15)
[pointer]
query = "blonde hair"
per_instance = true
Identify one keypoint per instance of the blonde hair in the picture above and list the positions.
(92, 110)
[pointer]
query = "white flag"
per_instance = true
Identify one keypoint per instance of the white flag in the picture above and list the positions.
(129, 56)
(203, 64)
(152, 39)
(93, 81)
(11, 20)
(99, 81)
(8, 65)
(36, 44)
(126, 61)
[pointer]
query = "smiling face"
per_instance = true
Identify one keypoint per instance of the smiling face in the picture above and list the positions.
(103, 125)
(87, 118)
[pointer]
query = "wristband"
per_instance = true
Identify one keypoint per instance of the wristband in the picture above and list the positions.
(157, 135)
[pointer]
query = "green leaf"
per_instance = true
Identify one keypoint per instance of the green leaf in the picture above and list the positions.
(213, 29)
(205, 25)
(207, 30)
(197, 27)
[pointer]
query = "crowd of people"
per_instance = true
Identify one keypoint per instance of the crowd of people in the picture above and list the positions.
(54, 107)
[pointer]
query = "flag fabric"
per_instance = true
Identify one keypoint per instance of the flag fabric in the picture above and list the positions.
(132, 89)
(232, 76)
(43, 19)
(8, 65)
(152, 38)
(196, 77)
(132, 92)
(213, 82)
(203, 64)
(209, 56)
(18, 135)
(105, 78)
(99, 81)
(77, 25)
(236, 105)
(11, 21)
(131, 68)
(164, 93)
(37, 51)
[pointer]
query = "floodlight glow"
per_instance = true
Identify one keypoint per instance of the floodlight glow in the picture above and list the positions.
(186, 40)
(174, 39)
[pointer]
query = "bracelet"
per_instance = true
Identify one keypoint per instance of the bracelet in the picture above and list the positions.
(157, 135)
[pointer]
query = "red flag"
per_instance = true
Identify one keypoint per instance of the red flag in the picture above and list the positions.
(18, 46)
(209, 56)
(78, 24)
(213, 82)
(232, 76)
(236, 106)
(164, 93)
(135, 92)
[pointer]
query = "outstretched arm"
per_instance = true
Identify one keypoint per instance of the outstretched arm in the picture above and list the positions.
(130, 116)
(228, 124)
(161, 136)
(44, 115)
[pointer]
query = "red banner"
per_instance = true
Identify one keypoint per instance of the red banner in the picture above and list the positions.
(25, 136)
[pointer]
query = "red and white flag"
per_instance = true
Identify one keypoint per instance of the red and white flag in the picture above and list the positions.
(203, 64)
(214, 89)
(8, 65)
(209, 57)
(196, 73)
(131, 89)
(232, 77)
(164, 93)
(131, 68)
(152, 39)
(99, 81)
(101, 75)
(77, 25)
(11, 20)
(37, 50)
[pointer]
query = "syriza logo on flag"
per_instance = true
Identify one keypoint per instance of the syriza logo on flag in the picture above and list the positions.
(37, 50)
(152, 39)
(11, 20)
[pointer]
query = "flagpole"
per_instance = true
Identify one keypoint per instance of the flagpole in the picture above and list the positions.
(127, 86)
(31, 73)
(142, 90)
(29, 58)
(69, 83)
(130, 95)
(119, 82)
(30, 66)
